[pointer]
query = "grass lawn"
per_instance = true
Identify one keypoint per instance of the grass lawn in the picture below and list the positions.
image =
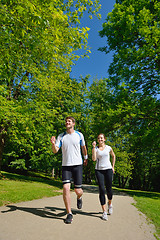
(16, 188)
(149, 204)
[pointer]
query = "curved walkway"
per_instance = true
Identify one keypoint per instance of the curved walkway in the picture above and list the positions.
(43, 219)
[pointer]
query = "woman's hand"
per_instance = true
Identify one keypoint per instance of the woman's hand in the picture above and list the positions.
(94, 144)
(94, 151)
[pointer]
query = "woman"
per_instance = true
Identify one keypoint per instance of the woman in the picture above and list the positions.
(104, 172)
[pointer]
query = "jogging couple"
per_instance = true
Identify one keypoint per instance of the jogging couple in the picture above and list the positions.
(71, 143)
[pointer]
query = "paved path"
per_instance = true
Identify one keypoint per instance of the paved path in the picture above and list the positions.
(44, 220)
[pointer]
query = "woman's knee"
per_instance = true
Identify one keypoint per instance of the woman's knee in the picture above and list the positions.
(110, 194)
(102, 190)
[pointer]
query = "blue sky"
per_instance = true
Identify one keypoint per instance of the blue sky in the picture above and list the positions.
(98, 62)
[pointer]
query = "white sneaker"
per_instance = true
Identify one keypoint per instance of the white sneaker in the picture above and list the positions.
(110, 209)
(104, 216)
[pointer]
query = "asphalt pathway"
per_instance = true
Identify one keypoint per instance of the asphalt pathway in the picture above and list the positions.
(43, 219)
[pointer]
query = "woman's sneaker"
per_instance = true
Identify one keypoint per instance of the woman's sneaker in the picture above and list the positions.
(104, 216)
(110, 209)
(69, 218)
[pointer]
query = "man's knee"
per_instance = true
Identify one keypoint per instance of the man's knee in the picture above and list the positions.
(78, 191)
(66, 188)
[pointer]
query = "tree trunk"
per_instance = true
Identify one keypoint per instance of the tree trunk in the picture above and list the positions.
(119, 181)
(53, 172)
(1, 148)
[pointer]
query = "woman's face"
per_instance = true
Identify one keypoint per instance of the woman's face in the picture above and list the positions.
(101, 139)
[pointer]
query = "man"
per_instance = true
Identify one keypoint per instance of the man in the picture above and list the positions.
(71, 143)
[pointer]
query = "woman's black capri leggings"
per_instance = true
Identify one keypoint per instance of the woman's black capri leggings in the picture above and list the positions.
(104, 178)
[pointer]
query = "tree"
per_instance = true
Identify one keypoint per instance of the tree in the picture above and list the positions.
(132, 128)
(38, 44)
(133, 34)
(146, 145)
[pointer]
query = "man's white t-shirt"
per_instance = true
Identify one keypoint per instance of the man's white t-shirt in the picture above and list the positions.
(103, 158)
(71, 148)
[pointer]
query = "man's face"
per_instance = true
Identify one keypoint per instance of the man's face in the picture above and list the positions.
(69, 124)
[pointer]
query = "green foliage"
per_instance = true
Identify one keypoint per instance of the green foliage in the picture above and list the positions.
(131, 125)
(18, 164)
(39, 40)
(133, 33)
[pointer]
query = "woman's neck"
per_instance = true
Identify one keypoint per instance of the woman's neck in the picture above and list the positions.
(101, 145)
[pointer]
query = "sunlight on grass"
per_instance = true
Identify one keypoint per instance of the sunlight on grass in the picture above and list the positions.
(17, 188)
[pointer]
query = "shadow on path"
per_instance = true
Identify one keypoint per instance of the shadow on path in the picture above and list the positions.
(94, 190)
(41, 212)
(49, 212)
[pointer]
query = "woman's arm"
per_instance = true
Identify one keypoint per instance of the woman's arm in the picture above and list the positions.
(94, 151)
(113, 159)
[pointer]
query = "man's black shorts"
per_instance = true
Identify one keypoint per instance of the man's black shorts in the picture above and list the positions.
(75, 172)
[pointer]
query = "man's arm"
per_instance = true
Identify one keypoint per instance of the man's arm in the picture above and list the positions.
(84, 151)
(54, 147)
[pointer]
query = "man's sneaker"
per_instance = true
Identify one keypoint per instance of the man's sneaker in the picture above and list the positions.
(104, 216)
(79, 203)
(69, 218)
(110, 209)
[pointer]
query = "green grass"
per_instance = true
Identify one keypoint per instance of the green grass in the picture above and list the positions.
(16, 188)
(149, 204)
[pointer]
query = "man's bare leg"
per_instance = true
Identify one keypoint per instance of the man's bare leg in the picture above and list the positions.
(79, 192)
(67, 197)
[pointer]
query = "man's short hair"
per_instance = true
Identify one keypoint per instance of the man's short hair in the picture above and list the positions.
(72, 118)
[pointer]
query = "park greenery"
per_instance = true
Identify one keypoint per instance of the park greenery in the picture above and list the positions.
(39, 45)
